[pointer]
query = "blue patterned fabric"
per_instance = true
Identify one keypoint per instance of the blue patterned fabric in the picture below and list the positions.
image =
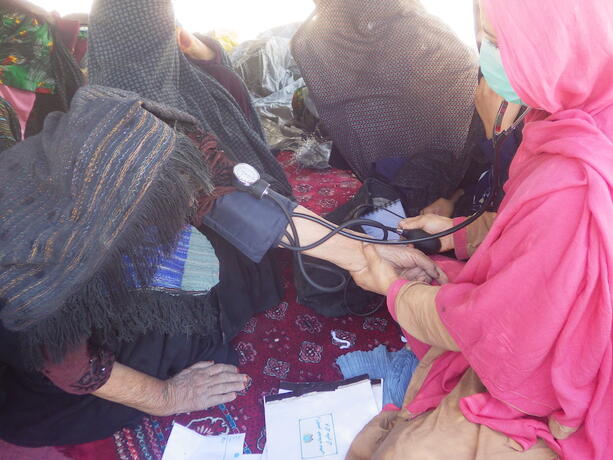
(201, 270)
(192, 267)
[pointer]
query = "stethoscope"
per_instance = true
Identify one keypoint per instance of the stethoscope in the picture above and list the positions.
(248, 179)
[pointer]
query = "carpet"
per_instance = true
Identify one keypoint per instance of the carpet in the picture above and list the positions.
(288, 342)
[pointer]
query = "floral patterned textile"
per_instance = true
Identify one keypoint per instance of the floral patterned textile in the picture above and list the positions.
(25, 52)
(288, 342)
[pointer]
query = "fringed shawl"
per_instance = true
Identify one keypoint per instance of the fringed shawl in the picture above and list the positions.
(105, 184)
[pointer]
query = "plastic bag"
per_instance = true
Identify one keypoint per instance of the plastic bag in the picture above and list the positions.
(314, 153)
(266, 65)
(273, 78)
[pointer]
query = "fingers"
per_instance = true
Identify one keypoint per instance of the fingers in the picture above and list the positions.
(442, 277)
(222, 368)
(416, 274)
(411, 223)
(184, 38)
(192, 47)
(441, 207)
(202, 365)
(227, 387)
(425, 263)
(226, 378)
(371, 254)
(221, 399)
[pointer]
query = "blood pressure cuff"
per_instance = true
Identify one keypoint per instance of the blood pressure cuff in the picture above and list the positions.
(251, 225)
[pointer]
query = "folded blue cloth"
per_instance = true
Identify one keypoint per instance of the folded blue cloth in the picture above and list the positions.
(395, 368)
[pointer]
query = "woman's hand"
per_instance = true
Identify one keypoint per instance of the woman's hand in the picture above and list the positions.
(203, 385)
(444, 206)
(192, 47)
(432, 224)
(378, 275)
(410, 263)
(441, 207)
(386, 264)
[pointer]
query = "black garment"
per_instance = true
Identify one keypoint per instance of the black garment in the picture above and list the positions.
(245, 287)
(430, 175)
(133, 46)
(389, 80)
(34, 412)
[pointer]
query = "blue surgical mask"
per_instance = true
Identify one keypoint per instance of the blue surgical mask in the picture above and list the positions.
(493, 71)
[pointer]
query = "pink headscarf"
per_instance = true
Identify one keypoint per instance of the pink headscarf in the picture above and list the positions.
(532, 309)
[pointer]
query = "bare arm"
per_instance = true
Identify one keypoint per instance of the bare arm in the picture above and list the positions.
(341, 251)
(198, 387)
(347, 253)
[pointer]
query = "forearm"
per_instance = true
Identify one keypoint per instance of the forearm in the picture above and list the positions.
(416, 313)
(339, 250)
(467, 241)
(135, 389)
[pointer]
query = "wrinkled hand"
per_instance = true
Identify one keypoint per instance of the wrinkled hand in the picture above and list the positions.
(487, 103)
(411, 264)
(441, 207)
(432, 224)
(386, 264)
(192, 47)
(378, 275)
(203, 385)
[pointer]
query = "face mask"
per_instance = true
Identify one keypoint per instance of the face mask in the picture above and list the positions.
(493, 71)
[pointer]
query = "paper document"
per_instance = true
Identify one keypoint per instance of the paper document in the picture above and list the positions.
(318, 425)
(186, 444)
(389, 216)
(377, 392)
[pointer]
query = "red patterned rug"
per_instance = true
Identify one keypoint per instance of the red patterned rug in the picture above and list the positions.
(288, 342)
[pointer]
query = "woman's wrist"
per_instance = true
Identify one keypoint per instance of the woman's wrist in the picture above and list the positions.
(393, 291)
(138, 390)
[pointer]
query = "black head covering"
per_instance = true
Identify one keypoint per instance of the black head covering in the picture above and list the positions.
(133, 46)
(390, 80)
(104, 186)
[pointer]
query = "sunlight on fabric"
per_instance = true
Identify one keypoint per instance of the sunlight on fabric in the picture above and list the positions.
(247, 18)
